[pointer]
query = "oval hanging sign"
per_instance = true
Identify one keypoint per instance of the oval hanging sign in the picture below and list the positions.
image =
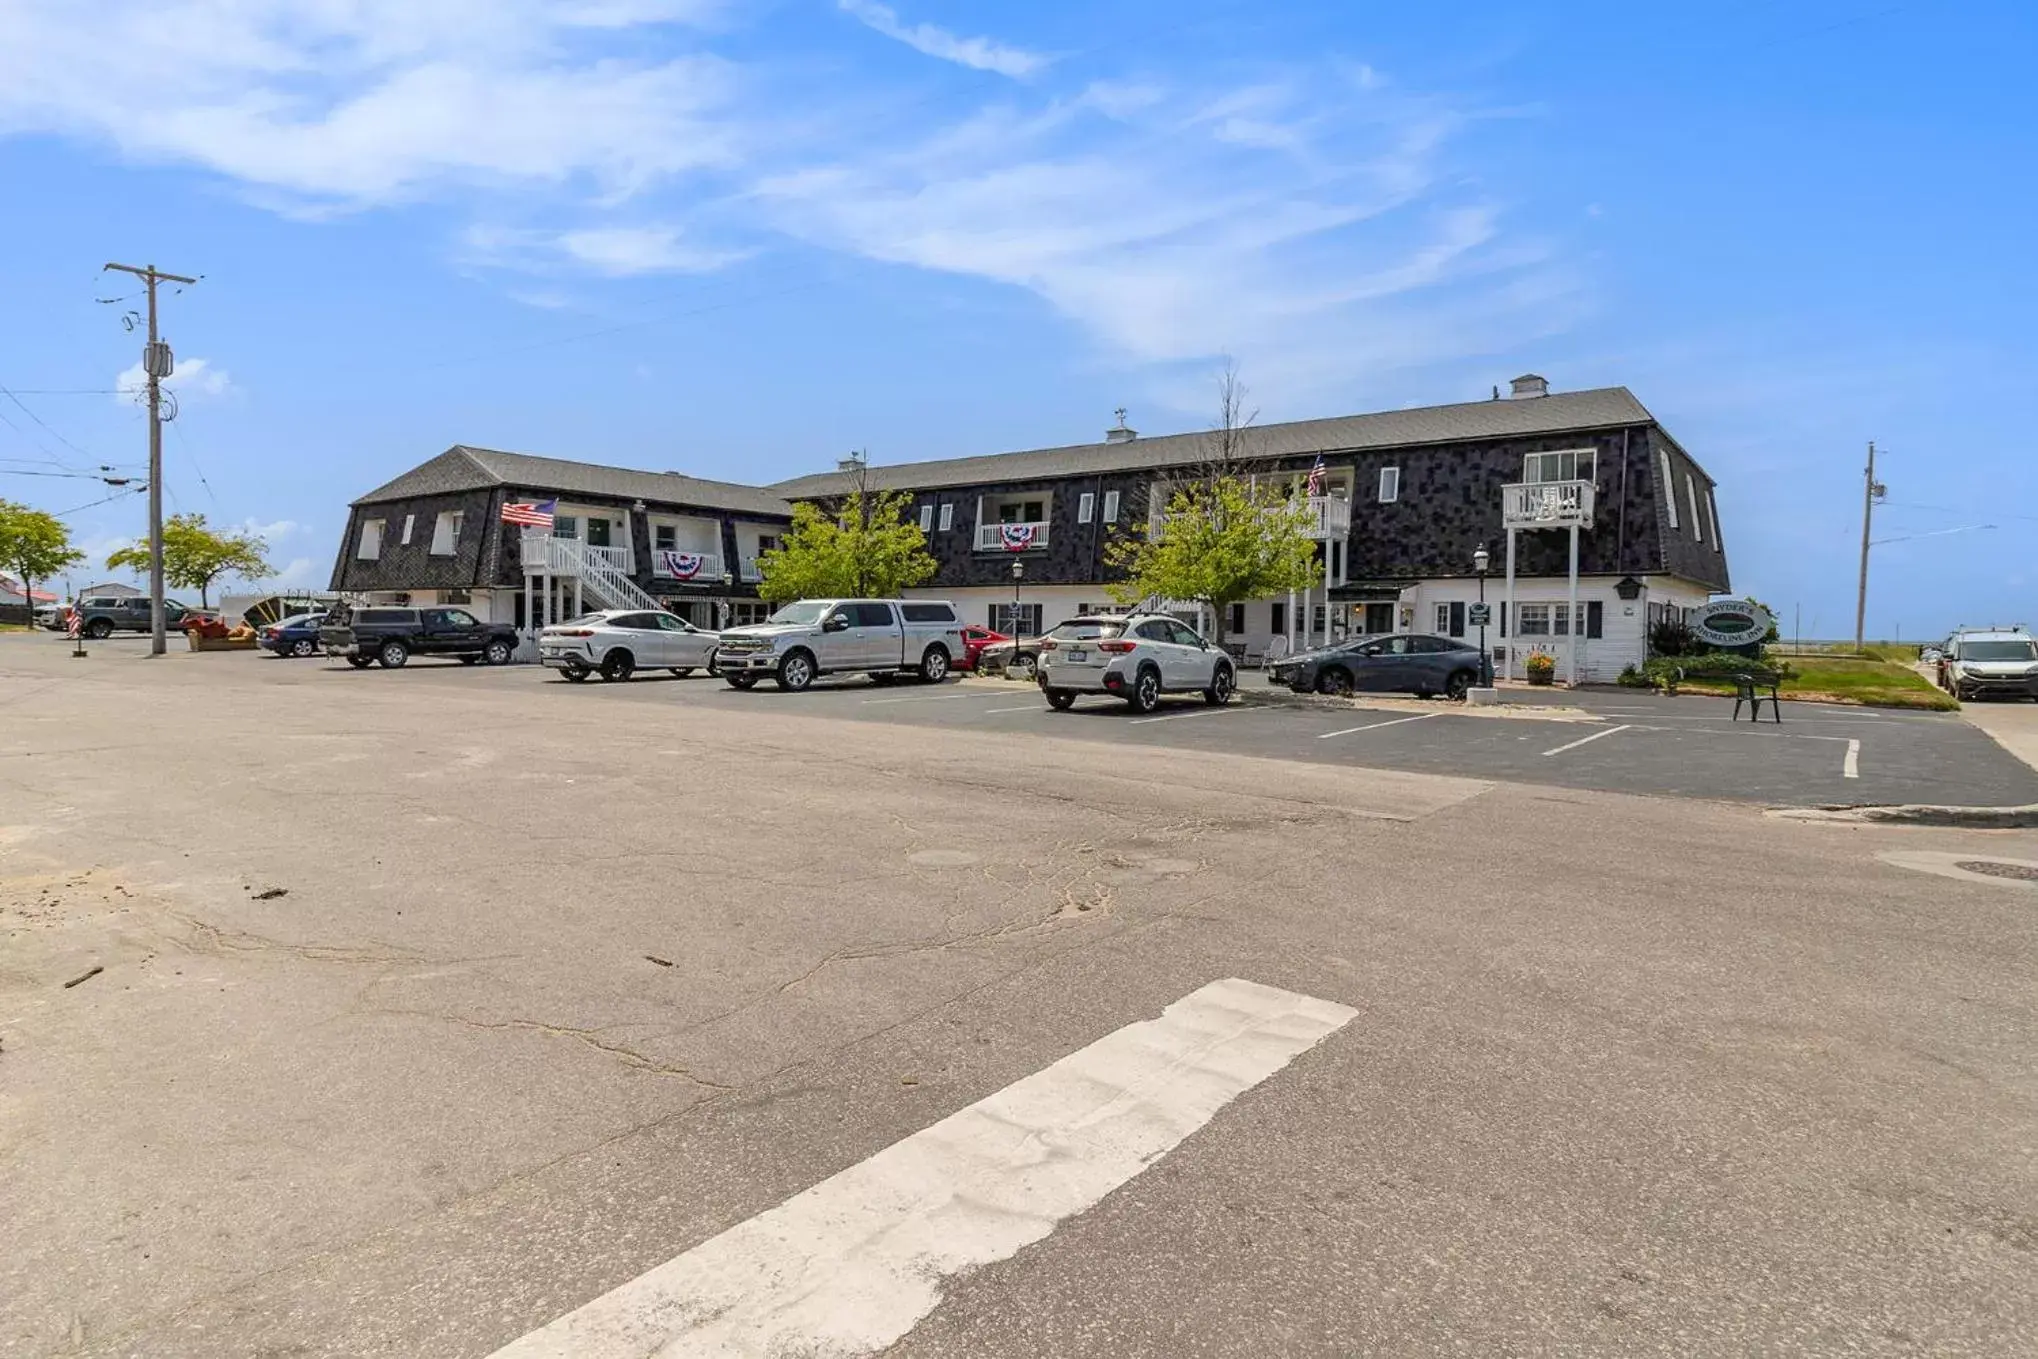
(1731, 622)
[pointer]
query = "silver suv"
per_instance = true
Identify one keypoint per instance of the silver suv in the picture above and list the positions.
(1137, 657)
(882, 638)
(1980, 663)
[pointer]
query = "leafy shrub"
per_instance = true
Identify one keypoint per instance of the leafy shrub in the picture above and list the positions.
(1672, 637)
(1634, 677)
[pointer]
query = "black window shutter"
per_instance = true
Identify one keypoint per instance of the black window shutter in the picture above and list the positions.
(1458, 618)
(1503, 618)
(1595, 617)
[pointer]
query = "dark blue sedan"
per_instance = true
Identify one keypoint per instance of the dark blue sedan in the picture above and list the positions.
(294, 636)
(1418, 665)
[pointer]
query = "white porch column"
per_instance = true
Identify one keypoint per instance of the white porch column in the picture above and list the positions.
(1326, 594)
(1291, 622)
(1577, 624)
(1513, 615)
(578, 607)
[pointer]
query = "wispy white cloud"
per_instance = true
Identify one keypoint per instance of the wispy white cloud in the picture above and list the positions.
(194, 377)
(1318, 221)
(979, 54)
(611, 251)
(296, 571)
(370, 101)
(1312, 228)
(271, 531)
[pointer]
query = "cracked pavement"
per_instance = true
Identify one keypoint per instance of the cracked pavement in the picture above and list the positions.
(562, 986)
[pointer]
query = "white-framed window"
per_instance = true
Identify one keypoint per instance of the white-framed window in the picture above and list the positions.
(1086, 506)
(1712, 517)
(1443, 620)
(1016, 620)
(446, 534)
(927, 518)
(408, 521)
(1390, 485)
(1669, 486)
(1549, 620)
(665, 537)
(1568, 464)
(948, 516)
(370, 546)
(1691, 492)
(1110, 507)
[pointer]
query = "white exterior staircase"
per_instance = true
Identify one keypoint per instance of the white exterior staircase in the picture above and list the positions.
(603, 572)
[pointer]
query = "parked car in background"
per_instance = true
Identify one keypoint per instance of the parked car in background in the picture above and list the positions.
(616, 643)
(293, 636)
(1018, 657)
(974, 640)
(1416, 663)
(374, 632)
(104, 615)
(1136, 657)
(882, 638)
(1991, 663)
(53, 617)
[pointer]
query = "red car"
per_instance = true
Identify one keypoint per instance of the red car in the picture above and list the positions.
(974, 640)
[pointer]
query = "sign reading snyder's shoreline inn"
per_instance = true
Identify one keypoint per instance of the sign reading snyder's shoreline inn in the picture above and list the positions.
(1731, 623)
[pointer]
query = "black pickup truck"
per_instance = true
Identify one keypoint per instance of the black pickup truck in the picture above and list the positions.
(392, 636)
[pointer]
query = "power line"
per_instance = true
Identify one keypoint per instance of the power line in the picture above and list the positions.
(118, 495)
(177, 428)
(44, 423)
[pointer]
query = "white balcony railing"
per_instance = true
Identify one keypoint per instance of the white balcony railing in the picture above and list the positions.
(1011, 537)
(1328, 518)
(751, 572)
(541, 552)
(678, 564)
(1547, 504)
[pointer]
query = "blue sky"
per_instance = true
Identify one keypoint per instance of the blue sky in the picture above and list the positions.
(740, 239)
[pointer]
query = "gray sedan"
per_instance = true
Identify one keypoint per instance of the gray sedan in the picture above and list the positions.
(1419, 664)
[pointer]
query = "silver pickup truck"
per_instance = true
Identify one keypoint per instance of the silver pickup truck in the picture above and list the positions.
(878, 637)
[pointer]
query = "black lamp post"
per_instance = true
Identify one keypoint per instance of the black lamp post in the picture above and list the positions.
(1018, 574)
(728, 608)
(1481, 559)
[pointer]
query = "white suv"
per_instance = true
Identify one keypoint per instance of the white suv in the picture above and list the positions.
(1137, 657)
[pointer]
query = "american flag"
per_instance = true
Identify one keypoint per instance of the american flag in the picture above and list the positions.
(529, 513)
(1314, 486)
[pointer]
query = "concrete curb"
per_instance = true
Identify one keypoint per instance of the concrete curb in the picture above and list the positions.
(1917, 814)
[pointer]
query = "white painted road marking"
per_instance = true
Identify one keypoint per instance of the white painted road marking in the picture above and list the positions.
(1029, 708)
(852, 1264)
(1374, 726)
(1586, 740)
(927, 698)
(1851, 766)
(1192, 712)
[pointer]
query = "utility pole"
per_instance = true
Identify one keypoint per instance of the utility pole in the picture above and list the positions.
(158, 363)
(1870, 491)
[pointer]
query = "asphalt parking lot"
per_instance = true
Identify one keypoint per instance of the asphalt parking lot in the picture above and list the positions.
(454, 1012)
(1689, 746)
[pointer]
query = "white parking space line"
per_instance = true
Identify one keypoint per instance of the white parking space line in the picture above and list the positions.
(852, 1264)
(927, 698)
(1850, 767)
(1375, 726)
(1192, 712)
(1586, 740)
(1029, 708)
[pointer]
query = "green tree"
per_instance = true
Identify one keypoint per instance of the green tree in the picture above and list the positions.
(195, 555)
(865, 547)
(34, 545)
(1224, 540)
(1226, 535)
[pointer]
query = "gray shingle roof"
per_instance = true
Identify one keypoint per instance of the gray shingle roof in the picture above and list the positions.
(1601, 408)
(462, 468)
